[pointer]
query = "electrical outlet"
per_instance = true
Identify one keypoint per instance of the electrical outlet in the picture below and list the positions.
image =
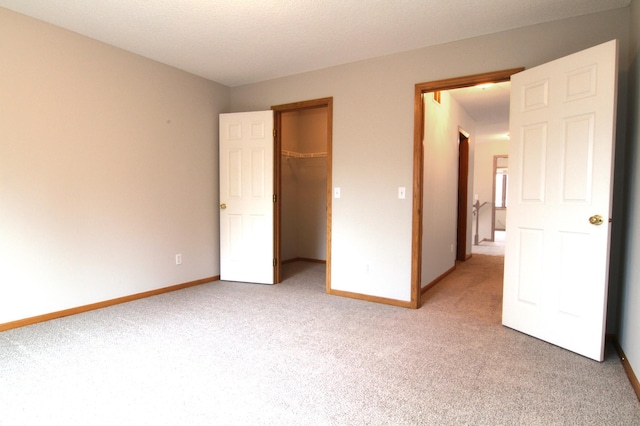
(179, 259)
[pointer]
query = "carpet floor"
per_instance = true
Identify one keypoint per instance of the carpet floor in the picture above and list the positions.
(289, 354)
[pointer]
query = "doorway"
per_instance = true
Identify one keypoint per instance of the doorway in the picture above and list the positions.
(419, 130)
(500, 185)
(303, 135)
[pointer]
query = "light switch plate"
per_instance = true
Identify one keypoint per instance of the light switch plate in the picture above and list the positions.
(402, 192)
(336, 192)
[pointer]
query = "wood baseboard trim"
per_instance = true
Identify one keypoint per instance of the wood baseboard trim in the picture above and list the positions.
(303, 259)
(429, 286)
(99, 305)
(627, 367)
(383, 300)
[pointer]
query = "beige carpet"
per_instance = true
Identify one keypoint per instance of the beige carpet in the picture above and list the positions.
(491, 248)
(232, 353)
(472, 292)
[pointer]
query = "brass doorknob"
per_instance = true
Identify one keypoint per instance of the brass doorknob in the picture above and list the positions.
(223, 206)
(596, 220)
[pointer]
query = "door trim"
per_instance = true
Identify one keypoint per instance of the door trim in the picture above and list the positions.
(463, 193)
(418, 160)
(278, 111)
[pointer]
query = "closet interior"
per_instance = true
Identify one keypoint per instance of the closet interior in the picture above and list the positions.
(304, 185)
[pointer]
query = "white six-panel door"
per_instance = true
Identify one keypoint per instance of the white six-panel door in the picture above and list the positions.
(560, 170)
(246, 197)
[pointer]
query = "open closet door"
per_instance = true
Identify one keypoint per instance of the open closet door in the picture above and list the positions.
(560, 191)
(247, 197)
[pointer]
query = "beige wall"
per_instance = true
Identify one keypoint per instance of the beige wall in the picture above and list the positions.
(629, 333)
(373, 134)
(108, 168)
(443, 122)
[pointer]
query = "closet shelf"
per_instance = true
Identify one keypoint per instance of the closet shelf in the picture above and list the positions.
(293, 154)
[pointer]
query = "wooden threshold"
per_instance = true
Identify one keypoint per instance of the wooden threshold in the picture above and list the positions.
(99, 305)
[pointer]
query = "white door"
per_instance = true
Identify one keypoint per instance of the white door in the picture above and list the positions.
(246, 197)
(560, 170)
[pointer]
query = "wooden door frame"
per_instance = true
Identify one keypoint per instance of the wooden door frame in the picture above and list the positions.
(463, 194)
(418, 160)
(278, 111)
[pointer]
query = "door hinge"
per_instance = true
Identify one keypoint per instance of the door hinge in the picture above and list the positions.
(274, 262)
(274, 132)
(275, 198)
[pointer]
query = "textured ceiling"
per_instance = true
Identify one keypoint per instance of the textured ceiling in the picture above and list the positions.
(489, 108)
(485, 104)
(236, 42)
